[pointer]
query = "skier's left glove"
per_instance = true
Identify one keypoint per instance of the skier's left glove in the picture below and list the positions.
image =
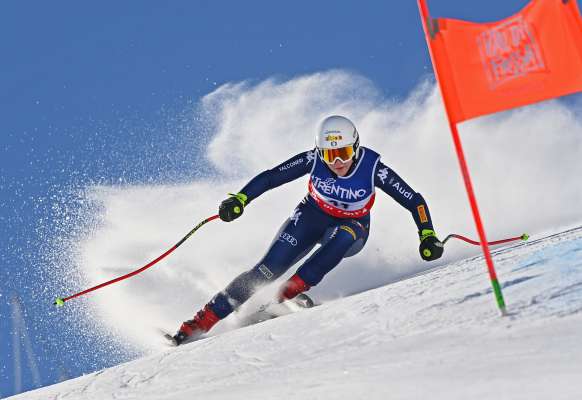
(431, 248)
(232, 208)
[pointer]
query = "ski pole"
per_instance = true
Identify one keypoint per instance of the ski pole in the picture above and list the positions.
(523, 237)
(60, 301)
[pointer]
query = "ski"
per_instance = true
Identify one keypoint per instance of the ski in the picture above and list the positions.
(265, 312)
(170, 339)
(274, 309)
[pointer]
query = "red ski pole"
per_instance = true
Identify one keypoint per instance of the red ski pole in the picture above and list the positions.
(523, 237)
(60, 301)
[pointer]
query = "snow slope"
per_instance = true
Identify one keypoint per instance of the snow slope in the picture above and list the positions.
(435, 335)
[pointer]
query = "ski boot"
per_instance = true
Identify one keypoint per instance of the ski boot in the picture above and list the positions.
(202, 322)
(293, 287)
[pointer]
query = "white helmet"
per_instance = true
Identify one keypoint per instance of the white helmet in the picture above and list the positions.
(337, 138)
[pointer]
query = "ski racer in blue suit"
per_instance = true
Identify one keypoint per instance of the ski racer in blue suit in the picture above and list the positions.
(335, 214)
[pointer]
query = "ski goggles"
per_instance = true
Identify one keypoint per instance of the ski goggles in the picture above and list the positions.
(345, 154)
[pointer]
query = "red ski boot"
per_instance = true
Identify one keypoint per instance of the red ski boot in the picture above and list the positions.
(202, 322)
(294, 286)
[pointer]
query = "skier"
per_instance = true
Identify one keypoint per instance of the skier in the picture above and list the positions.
(335, 213)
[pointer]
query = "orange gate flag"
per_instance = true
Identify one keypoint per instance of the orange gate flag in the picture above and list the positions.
(532, 56)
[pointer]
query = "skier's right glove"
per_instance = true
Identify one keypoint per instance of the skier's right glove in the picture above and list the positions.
(431, 248)
(232, 208)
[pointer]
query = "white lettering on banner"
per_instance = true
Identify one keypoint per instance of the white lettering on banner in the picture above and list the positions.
(288, 238)
(330, 188)
(402, 190)
(510, 50)
(291, 164)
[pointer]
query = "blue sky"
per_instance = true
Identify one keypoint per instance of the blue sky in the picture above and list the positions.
(97, 91)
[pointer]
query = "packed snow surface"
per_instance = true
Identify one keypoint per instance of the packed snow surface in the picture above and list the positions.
(434, 335)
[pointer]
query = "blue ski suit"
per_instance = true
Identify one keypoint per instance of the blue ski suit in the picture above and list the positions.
(335, 214)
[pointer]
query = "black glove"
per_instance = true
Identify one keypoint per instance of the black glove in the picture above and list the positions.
(232, 208)
(431, 248)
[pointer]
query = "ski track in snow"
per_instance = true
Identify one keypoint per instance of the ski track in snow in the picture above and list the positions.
(435, 335)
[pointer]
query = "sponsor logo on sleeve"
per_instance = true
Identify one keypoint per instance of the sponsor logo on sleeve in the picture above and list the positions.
(383, 174)
(291, 164)
(402, 190)
(422, 214)
(310, 156)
